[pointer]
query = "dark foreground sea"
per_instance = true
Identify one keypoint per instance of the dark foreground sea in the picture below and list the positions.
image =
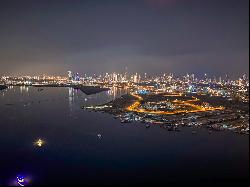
(125, 154)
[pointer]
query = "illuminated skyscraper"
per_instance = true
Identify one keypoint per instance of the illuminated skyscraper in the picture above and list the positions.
(70, 75)
(192, 78)
(220, 80)
(205, 77)
(135, 78)
(77, 77)
(115, 77)
(126, 73)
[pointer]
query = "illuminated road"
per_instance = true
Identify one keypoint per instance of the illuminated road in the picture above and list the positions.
(196, 108)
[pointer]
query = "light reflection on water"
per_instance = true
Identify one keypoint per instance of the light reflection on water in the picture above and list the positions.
(71, 98)
(23, 89)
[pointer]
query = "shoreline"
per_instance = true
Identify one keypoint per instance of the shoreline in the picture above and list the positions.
(88, 90)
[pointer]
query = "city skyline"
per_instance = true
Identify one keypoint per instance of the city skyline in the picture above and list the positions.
(125, 73)
(45, 37)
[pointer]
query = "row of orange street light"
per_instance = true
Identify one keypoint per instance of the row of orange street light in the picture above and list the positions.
(135, 107)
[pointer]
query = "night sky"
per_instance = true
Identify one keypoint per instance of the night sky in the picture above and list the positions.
(98, 36)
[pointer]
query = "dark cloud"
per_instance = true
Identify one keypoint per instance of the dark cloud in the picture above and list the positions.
(99, 36)
(160, 3)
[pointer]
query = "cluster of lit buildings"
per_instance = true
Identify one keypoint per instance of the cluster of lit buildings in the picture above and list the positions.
(189, 83)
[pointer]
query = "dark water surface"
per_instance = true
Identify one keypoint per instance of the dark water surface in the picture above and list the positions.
(126, 154)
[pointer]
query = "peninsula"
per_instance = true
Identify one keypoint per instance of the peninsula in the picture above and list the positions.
(88, 90)
(2, 87)
(172, 111)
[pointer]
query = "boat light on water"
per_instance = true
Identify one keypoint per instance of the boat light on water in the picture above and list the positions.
(20, 179)
(39, 142)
